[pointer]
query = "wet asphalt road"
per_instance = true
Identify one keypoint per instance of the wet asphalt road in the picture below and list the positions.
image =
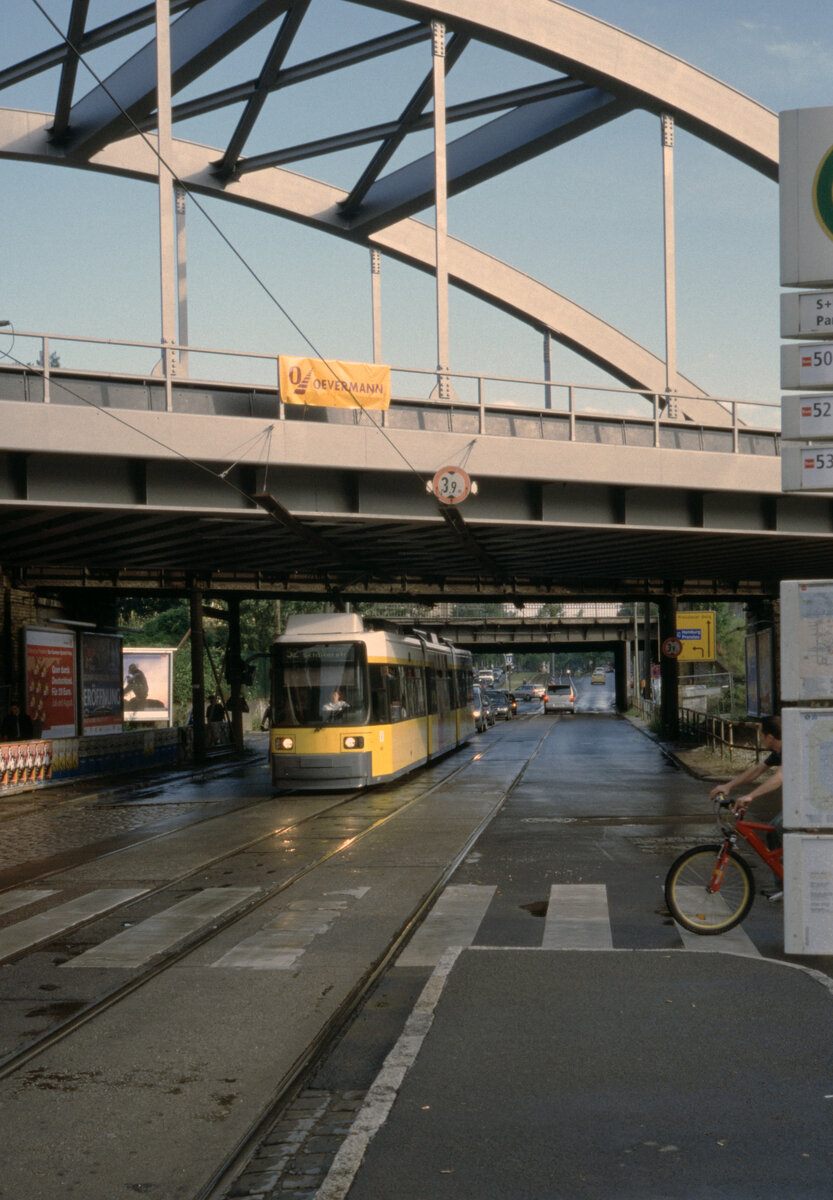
(592, 801)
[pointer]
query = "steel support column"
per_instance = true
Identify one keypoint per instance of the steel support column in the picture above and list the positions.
(234, 674)
(198, 677)
(620, 664)
(647, 690)
(181, 277)
(376, 303)
(165, 185)
(547, 369)
(669, 700)
(670, 272)
(441, 208)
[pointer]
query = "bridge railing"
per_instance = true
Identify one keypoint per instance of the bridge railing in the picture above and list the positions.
(46, 368)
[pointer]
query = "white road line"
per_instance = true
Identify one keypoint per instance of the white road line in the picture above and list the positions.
(19, 897)
(734, 941)
(135, 946)
(26, 934)
(453, 921)
(577, 918)
(379, 1100)
(278, 945)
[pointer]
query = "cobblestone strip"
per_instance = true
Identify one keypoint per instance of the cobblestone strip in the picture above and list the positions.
(296, 1154)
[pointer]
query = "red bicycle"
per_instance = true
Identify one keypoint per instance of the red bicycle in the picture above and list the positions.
(710, 889)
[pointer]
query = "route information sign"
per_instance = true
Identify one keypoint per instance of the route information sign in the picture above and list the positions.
(807, 366)
(807, 651)
(808, 894)
(807, 314)
(807, 468)
(807, 417)
(808, 768)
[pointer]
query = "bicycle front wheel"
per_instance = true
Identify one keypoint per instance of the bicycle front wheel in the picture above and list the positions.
(696, 908)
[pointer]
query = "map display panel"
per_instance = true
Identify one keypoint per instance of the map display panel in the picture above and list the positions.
(807, 640)
(808, 768)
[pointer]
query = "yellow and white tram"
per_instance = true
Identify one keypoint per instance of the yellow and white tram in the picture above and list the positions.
(353, 705)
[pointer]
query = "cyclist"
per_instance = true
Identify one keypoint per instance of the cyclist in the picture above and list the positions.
(771, 732)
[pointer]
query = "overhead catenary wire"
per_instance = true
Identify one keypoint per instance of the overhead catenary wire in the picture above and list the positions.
(149, 142)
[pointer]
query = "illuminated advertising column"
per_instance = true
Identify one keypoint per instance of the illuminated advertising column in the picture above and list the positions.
(51, 693)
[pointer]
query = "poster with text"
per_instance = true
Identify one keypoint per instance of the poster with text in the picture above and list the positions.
(50, 681)
(101, 683)
(147, 683)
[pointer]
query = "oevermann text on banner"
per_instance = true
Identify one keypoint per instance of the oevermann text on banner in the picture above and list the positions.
(333, 384)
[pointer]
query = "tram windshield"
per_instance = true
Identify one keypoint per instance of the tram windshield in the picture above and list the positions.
(320, 683)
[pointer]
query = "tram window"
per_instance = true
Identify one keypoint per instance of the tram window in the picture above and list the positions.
(443, 691)
(379, 701)
(315, 684)
(398, 708)
(414, 691)
(431, 689)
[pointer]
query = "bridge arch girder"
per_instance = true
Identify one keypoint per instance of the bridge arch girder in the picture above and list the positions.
(23, 136)
(636, 73)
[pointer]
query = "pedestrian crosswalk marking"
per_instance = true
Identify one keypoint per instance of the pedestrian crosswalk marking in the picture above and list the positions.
(26, 934)
(453, 921)
(135, 946)
(19, 897)
(734, 941)
(281, 942)
(577, 918)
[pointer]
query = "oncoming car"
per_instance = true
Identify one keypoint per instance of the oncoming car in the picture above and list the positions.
(501, 703)
(598, 676)
(479, 711)
(560, 697)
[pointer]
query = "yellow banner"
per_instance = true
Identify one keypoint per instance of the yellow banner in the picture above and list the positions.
(333, 384)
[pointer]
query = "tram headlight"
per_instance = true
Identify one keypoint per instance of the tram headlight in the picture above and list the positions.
(352, 741)
(286, 743)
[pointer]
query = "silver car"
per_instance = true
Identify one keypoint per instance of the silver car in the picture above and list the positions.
(560, 697)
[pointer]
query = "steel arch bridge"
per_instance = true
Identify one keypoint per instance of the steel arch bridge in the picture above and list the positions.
(598, 73)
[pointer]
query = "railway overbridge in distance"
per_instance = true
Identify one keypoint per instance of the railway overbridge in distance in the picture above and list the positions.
(153, 476)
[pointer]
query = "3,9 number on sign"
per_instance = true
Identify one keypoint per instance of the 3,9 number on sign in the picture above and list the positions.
(451, 485)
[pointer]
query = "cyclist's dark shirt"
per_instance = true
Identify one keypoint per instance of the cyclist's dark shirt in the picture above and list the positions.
(774, 759)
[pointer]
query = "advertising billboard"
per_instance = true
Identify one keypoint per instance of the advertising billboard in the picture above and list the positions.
(101, 683)
(49, 657)
(147, 683)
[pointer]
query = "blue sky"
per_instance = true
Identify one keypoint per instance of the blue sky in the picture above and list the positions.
(585, 218)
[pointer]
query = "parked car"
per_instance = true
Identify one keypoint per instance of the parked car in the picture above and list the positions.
(501, 704)
(598, 676)
(560, 697)
(481, 720)
(525, 691)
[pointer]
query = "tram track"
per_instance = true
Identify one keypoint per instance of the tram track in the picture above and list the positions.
(292, 1081)
(14, 1061)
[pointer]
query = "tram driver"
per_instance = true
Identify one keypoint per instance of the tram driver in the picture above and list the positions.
(335, 706)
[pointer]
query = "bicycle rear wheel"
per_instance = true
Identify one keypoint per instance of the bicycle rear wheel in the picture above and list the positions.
(691, 903)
